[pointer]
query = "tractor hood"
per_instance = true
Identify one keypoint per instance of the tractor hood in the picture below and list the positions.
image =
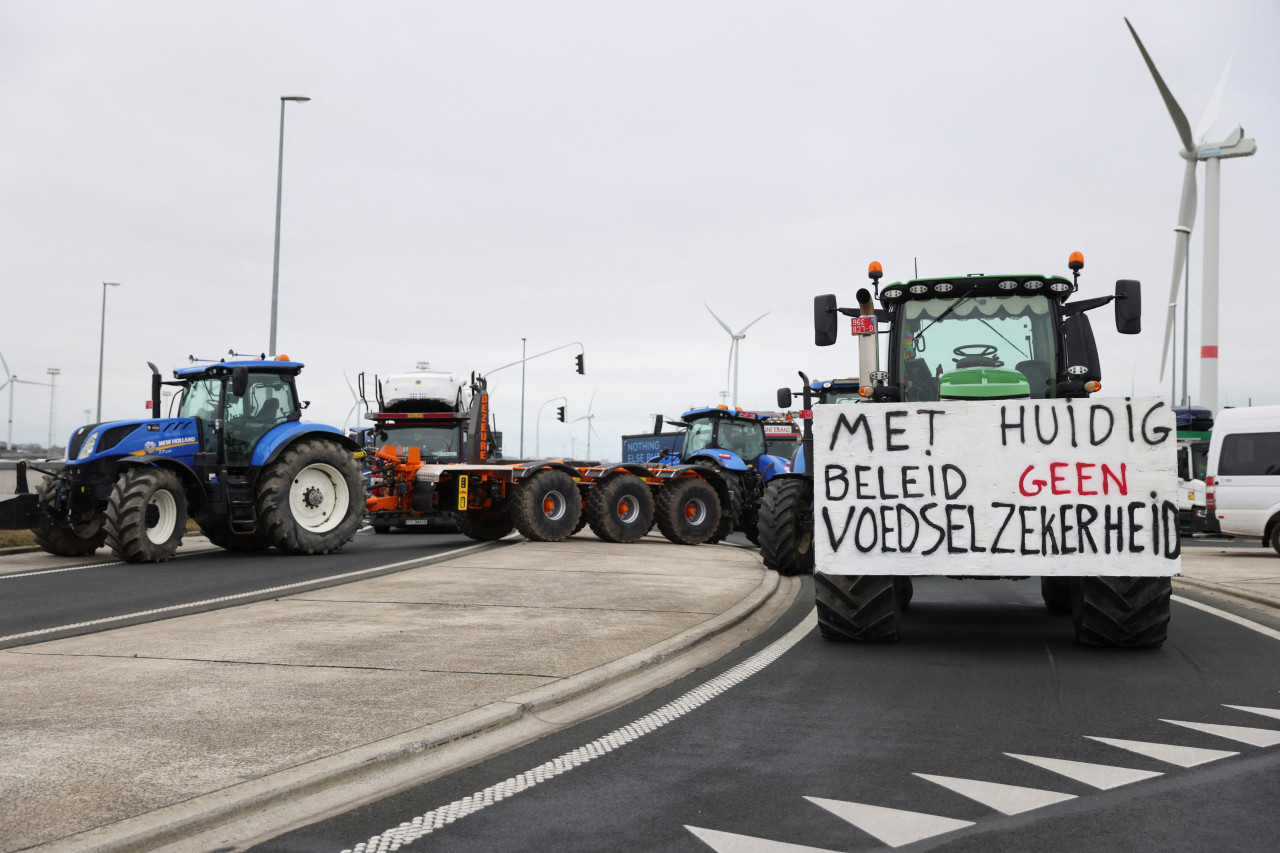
(983, 383)
(149, 437)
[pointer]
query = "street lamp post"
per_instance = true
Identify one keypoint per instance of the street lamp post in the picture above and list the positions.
(102, 343)
(53, 390)
(537, 433)
(275, 264)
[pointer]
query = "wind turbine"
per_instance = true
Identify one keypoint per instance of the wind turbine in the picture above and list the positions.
(733, 346)
(1195, 149)
(12, 381)
(590, 419)
(359, 403)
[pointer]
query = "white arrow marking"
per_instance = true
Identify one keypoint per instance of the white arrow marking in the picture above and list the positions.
(1253, 737)
(727, 842)
(1007, 799)
(892, 826)
(1266, 712)
(1101, 776)
(1183, 756)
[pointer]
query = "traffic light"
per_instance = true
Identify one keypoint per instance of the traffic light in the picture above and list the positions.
(560, 414)
(581, 366)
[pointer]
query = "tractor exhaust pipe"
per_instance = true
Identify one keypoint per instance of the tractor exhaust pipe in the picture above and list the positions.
(155, 389)
(868, 346)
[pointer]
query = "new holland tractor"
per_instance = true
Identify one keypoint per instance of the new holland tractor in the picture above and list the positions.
(956, 460)
(236, 457)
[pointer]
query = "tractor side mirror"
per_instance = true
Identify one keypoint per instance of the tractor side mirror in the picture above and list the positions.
(1128, 307)
(784, 398)
(239, 380)
(825, 316)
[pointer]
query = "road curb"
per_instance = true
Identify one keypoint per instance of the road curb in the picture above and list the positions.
(205, 813)
(1263, 603)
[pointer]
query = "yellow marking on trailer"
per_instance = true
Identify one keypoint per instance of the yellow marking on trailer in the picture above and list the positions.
(462, 492)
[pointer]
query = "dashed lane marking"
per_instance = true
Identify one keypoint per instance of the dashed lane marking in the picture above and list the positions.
(1243, 734)
(56, 571)
(728, 842)
(425, 824)
(1182, 756)
(1006, 799)
(894, 827)
(1104, 777)
(1230, 617)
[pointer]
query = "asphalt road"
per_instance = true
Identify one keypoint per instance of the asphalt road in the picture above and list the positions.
(100, 592)
(728, 758)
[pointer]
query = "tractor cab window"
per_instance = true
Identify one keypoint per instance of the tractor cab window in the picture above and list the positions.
(1014, 332)
(698, 436)
(268, 400)
(745, 438)
(200, 401)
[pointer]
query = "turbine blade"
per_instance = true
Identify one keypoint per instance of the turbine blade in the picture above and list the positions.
(6, 365)
(1186, 219)
(5, 384)
(1175, 111)
(753, 322)
(722, 323)
(1215, 104)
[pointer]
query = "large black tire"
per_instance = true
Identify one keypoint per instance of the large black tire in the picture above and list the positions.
(547, 506)
(218, 530)
(310, 498)
(732, 512)
(786, 526)
(858, 607)
(63, 540)
(381, 528)
(1057, 593)
(620, 509)
(483, 525)
(688, 511)
(146, 515)
(1127, 613)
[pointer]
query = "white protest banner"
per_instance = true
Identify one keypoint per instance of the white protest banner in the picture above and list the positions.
(997, 488)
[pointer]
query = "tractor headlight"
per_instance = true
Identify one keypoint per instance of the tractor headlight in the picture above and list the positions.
(86, 450)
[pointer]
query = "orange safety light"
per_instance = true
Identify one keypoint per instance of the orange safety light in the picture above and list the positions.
(723, 406)
(875, 271)
(865, 391)
(1093, 387)
(1076, 261)
(283, 357)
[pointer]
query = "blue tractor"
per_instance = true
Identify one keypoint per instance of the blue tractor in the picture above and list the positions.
(731, 442)
(237, 458)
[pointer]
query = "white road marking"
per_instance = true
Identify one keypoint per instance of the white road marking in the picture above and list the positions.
(1007, 799)
(1243, 734)
(1104, 777)
(425, 824)
(239, 595)
(728, 842)
(1183, 756)
(1266, 712)
(894, 827)
(56, 571)
(1230, 617)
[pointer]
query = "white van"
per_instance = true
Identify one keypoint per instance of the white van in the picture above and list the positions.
(1242, 485)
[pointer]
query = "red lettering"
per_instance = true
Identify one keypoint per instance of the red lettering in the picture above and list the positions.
(1055, 478)
(1022, 483)
(1122, 482)
(1082, 477)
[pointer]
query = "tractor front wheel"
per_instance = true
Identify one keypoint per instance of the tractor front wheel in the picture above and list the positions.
(66, 540)
(546, 507)
(620, 509)
(308, 499)
(786, 526)
(1123, 612)
(146, 515)
(858, 607)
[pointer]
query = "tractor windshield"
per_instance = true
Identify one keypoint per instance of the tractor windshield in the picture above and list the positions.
(1014, 332)
(200, 400)
(698, 436)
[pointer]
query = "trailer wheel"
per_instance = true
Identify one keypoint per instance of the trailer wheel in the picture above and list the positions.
(857, 607)
(786, 526)
(546, 507)
(1123, 612)
(483, 525)
(146, 515)
(688, 511)
(1056, 593)
(308, 498)
(218, 530)
(380, 528)
(620, 509)
(65, 540)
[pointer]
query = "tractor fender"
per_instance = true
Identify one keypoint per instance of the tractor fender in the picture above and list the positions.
(772, 466)
(725, 459)
(282, 436)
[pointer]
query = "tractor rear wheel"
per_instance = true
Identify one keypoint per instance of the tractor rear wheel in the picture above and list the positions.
(309, 498)
(218, 530)
(546, 507)
(786, 526)
(483, 525)
(620, 509)
(66, 540)
(1123, 612)
(146, 515)
(858, 607)
(688, 511)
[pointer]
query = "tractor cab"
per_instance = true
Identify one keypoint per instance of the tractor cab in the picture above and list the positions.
(730, 439)
(235, 403)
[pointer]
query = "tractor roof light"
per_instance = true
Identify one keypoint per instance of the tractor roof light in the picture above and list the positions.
(943, 287)
(1060, 287)
(893, 294)
(1033, 284)
(875, 271)
(1076, 261)
(1008, 284)
(918, 288)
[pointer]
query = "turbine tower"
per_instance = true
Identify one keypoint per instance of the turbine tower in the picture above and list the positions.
(1195, 149)
(733, 346)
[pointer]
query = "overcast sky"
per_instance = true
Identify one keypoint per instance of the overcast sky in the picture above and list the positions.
(468, 174)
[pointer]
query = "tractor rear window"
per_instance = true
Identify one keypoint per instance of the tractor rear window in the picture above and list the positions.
(1250, 454)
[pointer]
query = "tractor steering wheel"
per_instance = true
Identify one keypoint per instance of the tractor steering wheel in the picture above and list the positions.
(976, 355)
